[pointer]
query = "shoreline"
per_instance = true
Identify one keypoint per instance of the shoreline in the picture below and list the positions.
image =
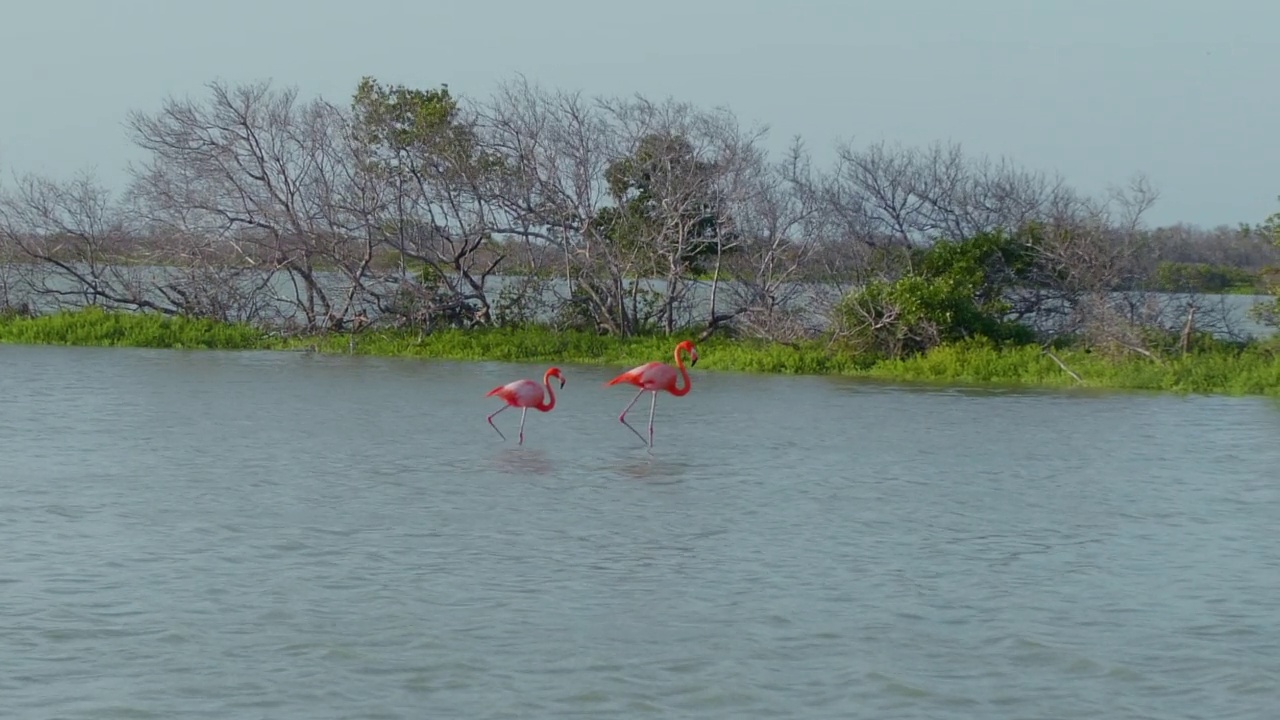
(1220, 369)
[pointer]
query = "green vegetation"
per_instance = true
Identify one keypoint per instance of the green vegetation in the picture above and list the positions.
(949, 292)
(1208, 367)
(663, 172)
(1215, 368)
(94, 327)
(1181, 277)
(1270, 313)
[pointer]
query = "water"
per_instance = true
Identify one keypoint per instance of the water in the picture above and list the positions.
(257, 535)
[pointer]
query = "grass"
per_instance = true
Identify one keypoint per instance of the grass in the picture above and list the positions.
(535, 344)
(94, 327)
(1214, 369)
(1221, 369)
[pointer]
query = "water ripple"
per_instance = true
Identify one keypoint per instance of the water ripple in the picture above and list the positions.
(208, 535)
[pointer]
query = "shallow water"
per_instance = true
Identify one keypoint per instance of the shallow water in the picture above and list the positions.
(204, 534)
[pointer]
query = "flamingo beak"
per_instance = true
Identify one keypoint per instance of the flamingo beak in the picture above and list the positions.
(561, 383)
(693, 360)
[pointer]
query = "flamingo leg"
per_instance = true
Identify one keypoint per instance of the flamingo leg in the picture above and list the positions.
(495, 427)
(523, 412)
(623, 417)
(652, 407)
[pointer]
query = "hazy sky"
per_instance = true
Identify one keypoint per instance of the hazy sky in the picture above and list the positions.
(1098, 90)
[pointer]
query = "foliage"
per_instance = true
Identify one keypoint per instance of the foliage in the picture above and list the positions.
(665, 205)
(436, 176)
(94, 326)
(1202, 278)
(419, 132)
(1216, 368)
(403, 119)
(1210, 366)
(951, 291)
(1270, 312)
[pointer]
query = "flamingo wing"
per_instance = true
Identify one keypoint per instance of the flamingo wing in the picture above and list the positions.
(658, 375)
(520, 393)
(650, 376)
(632, 376)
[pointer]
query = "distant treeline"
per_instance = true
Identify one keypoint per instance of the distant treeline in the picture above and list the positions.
(1200, 277)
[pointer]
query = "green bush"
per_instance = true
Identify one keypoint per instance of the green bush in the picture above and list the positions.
(1269, 313)
(952, 291)
(1203, 278)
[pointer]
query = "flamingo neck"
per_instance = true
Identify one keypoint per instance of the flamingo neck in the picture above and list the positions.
(684, 373)
(544, 404)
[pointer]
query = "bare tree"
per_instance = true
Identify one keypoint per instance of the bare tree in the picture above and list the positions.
(272, 178)
(634, 194)
(779, 221)
(554, 149)
(1093, 257)
(912, 196)
(424, 146)
(74, 242)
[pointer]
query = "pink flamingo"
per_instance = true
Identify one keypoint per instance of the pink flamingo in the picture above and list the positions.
(526, 394)
(655, 376)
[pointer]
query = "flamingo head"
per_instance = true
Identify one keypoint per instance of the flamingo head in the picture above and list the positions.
(555, 372)
(688, 346)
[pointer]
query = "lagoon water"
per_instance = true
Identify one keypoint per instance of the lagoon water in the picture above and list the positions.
(280, 535)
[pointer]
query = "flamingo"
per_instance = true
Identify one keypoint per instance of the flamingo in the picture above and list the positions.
(655, 376)
(526, 394)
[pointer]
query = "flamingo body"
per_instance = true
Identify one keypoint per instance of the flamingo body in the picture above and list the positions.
(520, 393)
(526, 394)
(653, 377)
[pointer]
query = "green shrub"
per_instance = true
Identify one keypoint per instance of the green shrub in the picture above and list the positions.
(952, 291)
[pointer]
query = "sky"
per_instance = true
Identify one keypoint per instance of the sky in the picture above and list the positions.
(1182, 91)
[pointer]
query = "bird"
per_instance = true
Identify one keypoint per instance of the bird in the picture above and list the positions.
(526, 394)
(655, 376)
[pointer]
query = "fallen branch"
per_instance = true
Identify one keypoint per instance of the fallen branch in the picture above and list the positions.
(1188, 329)
(1140, 351)
(718, 322)
(1063, 365)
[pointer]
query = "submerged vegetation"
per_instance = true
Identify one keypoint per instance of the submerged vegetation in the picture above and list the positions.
(547, 226)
